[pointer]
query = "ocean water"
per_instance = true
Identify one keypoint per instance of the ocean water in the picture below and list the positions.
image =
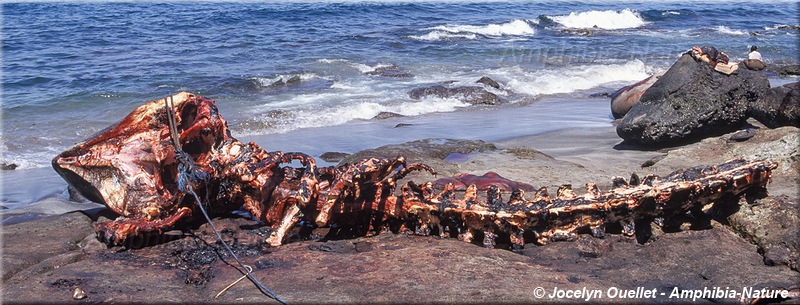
(303, 74)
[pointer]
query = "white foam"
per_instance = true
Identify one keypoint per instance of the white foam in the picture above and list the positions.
(268, 81)
(572, 79)
(728, 31)
(364, 68)
(360, 67)
(608, 20)
(309, 117)
(443, 35)
(778, 26)
(516, 27)
(30, 160)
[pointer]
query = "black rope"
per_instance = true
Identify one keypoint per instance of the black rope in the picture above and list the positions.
(186, 174)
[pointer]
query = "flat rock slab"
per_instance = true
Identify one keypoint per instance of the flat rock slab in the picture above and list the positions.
(380, 269)
(755, 245)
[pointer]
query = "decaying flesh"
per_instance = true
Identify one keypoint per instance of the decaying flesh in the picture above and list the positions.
(131, 167)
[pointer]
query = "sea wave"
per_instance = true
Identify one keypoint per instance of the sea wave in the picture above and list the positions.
(310, 117)
(728, 31)
(360, 67)
(281, 79)
(608, 20)
(517, 27)
(442, 35)
(782, 27)
(573, 79)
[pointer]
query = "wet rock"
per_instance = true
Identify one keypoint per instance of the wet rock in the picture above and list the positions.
(779, 107)
(471, 95)
(788, 27)
(692, 101)
(601, 94)
(423, 150)
(392, 71)
(580, 32)
(42, 244)
(785, 69)
(386, 115)
(293, 79)
(8, 166)
(528, 153)
(333, 156)
(489, 82)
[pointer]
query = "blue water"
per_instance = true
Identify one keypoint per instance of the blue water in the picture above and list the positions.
(70, 69)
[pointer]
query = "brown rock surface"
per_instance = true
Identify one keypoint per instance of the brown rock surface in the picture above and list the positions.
(751, 244)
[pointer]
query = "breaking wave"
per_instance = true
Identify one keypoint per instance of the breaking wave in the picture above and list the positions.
(573, 79)
(283, 78)
(728, 31)
(277, 121)
(608, 20)
(516, 27)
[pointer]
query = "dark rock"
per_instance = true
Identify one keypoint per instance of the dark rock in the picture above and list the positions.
(403, 125)
(692, 101)
(580, 32)
(386, 115)
(779, 107)
(293, 79)
(788, 70)
(392, 71)
(44, 265)
(743, 135)
(601, 94)
(489, 82)
(788, 27)
(652, 161)
(523, 152)
(423, 150)
(472, 95)
(333, 156)
(8, 166)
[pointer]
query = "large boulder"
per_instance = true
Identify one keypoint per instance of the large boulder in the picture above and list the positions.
(779, 107)
(690, 101)
(469, 94)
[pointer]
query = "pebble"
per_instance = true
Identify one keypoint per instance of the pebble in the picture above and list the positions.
(78, 294)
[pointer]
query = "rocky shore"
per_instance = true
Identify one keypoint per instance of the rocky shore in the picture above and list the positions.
(750, 244)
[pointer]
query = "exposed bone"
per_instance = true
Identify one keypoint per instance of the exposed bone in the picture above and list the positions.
(131, 168)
